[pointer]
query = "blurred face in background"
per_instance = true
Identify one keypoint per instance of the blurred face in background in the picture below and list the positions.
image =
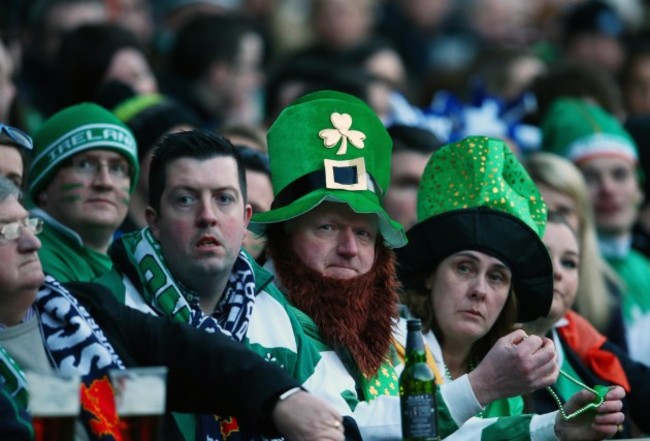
(130, 66)
(615, 193)
(7, 86)
(563, 248)
(400, 201)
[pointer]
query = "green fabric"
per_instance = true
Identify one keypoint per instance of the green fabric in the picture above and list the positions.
(159, 287)
(13, 380)
(133, 106)
(327, 132)
(634, 269)
(66, 259)
(504, 407)
(508, 429)
(578, 130)
(75, 129)
(480, 171)
(565, 387)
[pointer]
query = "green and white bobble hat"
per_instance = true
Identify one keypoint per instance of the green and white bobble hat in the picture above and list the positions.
(329, 146)
(75, 129)
(579, 130)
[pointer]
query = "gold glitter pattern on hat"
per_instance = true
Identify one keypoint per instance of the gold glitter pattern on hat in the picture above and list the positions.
(480, 171)
(342, 123)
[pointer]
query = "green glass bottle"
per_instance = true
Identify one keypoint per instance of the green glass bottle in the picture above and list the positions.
(417, 390)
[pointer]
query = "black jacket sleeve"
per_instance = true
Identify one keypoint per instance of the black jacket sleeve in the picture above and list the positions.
(207, 373)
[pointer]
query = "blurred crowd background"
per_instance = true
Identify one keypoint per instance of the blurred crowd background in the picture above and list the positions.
(452, 67)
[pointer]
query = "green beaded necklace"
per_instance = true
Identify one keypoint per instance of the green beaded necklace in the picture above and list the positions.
(599, 390)
(448, 375)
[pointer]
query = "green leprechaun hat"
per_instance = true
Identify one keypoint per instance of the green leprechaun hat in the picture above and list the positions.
(476, 195)
(329, 146)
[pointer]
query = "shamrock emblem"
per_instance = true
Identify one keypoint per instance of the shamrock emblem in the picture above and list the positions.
(341, 132)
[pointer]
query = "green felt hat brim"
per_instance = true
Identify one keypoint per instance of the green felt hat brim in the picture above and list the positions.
(362, 202)
(489, 231)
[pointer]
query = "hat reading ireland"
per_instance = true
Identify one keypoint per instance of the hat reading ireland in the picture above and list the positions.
(476, 195)
(329, 146)
(75, 129)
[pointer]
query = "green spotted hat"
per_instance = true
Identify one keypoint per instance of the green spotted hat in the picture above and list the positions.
(579, 130)
(85, 126)
(476, 195)
(329, 146)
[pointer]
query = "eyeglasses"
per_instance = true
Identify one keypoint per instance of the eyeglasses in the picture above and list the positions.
(16, 136)
(89, 168)
(12, 230)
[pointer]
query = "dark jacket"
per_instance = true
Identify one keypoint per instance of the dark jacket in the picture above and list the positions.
(207, 373)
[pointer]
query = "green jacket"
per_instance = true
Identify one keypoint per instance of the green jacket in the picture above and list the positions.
(64, 256)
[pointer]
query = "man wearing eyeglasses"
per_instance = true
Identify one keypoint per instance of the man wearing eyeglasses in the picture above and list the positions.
(14, 143)
(81, 178)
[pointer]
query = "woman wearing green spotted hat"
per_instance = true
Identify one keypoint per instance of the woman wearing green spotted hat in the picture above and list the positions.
(474, 266)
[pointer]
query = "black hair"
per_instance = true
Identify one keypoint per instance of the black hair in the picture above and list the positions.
(84, 57)
(197, 144)
(254, 160)
(413, 139)
(205, 40)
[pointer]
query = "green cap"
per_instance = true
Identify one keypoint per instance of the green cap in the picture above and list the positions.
(75, 129)
(579, 130)
(476, 195)
(329, 146)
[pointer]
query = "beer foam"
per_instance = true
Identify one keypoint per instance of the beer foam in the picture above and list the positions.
(138, 392)
(53, 395)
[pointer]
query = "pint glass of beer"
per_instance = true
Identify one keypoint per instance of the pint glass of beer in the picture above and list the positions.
(54, 403)
(140, 401)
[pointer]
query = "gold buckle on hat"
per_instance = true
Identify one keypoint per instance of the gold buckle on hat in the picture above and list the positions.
(358, 163)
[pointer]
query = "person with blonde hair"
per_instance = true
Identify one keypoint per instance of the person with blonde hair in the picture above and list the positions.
(564, 190)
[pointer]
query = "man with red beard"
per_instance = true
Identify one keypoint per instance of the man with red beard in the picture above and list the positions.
(330, 245)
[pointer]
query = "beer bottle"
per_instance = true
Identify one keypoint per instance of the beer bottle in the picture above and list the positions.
(417, 390)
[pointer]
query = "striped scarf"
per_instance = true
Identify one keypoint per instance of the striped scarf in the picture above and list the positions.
(166, 296)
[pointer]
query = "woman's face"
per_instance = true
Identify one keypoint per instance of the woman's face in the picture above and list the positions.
(560, 203)
(468, 291)
(562, 245)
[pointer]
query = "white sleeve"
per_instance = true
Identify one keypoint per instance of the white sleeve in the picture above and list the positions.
(460, 399)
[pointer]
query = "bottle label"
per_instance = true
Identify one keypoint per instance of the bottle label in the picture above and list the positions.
(418, 417)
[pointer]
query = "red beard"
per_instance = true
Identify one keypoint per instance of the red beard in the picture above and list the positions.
(356, 314)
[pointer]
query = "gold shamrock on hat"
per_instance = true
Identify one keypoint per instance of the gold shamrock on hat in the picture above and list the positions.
(342, 123)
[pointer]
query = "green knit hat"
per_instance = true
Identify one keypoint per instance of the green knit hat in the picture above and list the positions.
(476, 195)
(579, 130)
(329, 146)
(75, 129)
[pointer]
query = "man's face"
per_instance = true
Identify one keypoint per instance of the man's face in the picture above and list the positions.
(615, 193)
(21, 270)
(260, 197)
(334, 240)
(11, 165)
(400, 201)
(89, 191)
(202, 218)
